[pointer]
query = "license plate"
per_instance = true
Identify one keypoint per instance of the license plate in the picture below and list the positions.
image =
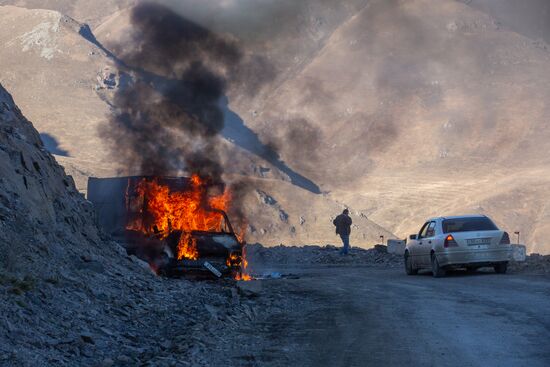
(478, 241)
(214, 271)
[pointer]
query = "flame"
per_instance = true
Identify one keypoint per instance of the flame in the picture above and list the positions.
(186, 211)
(244, 274)
(243, 277)
(187, 247)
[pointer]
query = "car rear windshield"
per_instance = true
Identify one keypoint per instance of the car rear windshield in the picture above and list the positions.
(468, 225)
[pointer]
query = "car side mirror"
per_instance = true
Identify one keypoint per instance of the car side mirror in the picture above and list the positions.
(413, 237)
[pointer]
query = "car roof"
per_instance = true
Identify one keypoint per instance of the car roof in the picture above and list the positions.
(459, 217)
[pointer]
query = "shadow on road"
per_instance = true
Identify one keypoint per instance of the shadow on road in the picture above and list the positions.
(457, 273)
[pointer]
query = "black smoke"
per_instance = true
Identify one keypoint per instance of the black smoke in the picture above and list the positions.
(168, 120)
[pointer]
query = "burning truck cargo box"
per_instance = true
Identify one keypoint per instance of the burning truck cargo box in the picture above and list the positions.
(178, 225)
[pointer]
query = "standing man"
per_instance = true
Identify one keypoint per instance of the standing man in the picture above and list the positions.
(343, 228)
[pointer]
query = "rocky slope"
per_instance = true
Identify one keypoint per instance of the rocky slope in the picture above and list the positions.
(59, 76)
(41, 211)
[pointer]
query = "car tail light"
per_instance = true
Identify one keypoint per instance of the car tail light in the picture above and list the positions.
(505, 240)
(450, 241)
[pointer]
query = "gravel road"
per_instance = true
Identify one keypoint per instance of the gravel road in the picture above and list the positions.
(367, 316)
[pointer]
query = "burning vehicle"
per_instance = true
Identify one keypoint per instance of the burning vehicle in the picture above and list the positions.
(178, 225)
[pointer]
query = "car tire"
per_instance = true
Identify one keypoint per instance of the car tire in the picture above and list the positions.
(437, 270)
(408, 265)
(501, 268)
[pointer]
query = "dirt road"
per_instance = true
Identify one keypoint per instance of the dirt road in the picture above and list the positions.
(358, 316)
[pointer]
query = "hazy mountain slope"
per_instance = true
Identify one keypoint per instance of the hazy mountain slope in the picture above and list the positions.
(403, 109)
(434, 95)
(91, 12)
(281, 213)
(56, 73)
(67, 89)
(530, 18)
(287, 33)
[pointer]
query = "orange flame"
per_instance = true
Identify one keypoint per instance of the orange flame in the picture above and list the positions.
(244, 274)
(187, 247)
(187, 211)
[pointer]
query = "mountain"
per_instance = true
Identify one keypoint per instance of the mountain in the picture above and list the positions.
(65, 80)
(401, 109)
(423, 108)
(90, 12)
(57, 75)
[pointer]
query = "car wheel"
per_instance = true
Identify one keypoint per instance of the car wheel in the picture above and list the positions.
(409, 266)
(437, 270)
(501, 268)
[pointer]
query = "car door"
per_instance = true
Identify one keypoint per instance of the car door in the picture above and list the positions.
(426, 244)
(416, 248)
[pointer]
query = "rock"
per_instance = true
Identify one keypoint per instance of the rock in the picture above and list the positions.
(86, 258)
(166, 344)
(381, 248)
(87, 338)
(142, 264)
(123, 359)
(119, 248)
(95, 266)
(250, 288)
(107, 362)
(234, 296)
(87, 350)
(213, 311)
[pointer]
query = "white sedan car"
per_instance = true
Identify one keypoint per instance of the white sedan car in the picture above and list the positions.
(470, 242)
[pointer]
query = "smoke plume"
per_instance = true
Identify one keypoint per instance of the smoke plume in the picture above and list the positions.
(167, 121)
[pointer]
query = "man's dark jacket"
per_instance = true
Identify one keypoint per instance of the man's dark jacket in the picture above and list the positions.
(343, 224)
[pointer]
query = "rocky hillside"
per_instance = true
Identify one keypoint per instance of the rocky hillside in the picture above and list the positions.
(41, 212)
